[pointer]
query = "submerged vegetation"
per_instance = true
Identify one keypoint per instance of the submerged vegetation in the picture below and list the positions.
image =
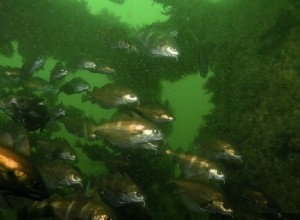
(253, 49)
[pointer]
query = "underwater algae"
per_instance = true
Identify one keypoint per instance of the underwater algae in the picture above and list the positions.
(253, 50)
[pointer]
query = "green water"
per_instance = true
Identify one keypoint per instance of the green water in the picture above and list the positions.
(250, 96)
(134, 13)
(187, 96)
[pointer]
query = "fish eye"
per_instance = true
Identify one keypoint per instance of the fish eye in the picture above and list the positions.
(160, 115)
(75, 177)
(102, 217)
(137, 194)
(156, 131)
(131, 95)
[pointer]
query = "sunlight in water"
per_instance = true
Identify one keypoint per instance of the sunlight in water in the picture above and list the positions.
(190, 102)
(133, 12)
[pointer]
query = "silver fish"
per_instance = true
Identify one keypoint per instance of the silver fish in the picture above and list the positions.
(119, 189)
(192, 165)
(111, 96)
(60, 175)
(200, 197)
(19, 176)
(125, 133)
(32, 65)
(77, 207)
(153, 113)
(58, 72)
(157, 42)
(218, 149)
(76, 85)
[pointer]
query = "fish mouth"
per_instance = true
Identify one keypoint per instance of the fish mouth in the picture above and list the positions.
(238, 157)
(150, 146)
(72, 158)
(213, 173)
(138, 199)
(79, 183)
(166, 117)
(67, 156)
(222, 208)
(173, 55)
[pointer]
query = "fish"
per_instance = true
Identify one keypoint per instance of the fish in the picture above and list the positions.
(38, 84)
(16, 137)
(103, 66)
(77, 206)
(10, 78)
(202, 197)
(64, 151)
(124, 44)
(251, 198)
(13, 73)
(155, 41)
(32, 65)
(55, 149)
(75, 127)
(58, 111)
(76, 85)
(19, 176)
(11, 107)
(83, 62)
(58, 72)
(118, 189)
(111, 96)
(98, 65)
(6, 139)
(124, 133)
(218, 149)
(31, 112)
(155, 114)
(151, 145)
(192, 165)
(60, 175)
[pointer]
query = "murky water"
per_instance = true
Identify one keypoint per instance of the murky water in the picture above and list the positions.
(227, 71)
